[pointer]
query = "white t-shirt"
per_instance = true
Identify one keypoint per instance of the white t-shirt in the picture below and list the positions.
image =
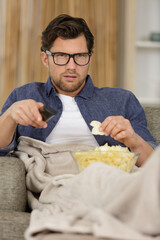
(71, 126)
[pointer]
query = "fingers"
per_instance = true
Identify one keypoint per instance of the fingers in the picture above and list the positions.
(26, 112)
(111, 125)
(118, 127)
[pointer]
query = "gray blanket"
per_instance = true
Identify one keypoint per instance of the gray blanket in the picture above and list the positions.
(102, 200)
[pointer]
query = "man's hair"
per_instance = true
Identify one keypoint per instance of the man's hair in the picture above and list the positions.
(66, 27)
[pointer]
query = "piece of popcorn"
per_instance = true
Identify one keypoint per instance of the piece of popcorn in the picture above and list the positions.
(95, 130)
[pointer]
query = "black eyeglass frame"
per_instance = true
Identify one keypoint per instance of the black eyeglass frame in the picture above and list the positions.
(70, 56)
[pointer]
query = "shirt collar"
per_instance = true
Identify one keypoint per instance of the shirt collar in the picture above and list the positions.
(86, 92)
(49, 87)
(88, 88)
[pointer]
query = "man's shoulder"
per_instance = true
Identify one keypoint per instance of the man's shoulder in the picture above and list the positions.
(115, 96)
(29, 88)
(31, 85)
(113, 91)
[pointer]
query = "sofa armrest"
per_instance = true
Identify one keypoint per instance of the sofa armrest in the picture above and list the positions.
(12, 184)
(153, 118)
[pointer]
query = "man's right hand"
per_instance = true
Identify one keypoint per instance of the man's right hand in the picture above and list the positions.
(26, 112)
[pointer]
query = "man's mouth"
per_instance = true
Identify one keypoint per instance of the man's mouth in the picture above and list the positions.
(70, 77)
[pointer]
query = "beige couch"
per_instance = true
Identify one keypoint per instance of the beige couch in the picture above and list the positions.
(14, 217)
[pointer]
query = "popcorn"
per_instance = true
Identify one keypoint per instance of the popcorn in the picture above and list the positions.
(117, 156)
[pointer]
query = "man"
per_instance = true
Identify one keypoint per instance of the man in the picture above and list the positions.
(67, 46)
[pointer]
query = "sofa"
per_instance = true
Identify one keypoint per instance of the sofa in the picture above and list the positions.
(14, 212)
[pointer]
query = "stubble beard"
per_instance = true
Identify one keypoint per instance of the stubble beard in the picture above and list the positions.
(68, 87)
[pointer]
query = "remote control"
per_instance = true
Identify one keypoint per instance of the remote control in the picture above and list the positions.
(47, 112)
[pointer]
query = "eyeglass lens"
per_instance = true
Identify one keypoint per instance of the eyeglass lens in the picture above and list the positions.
(63, 58)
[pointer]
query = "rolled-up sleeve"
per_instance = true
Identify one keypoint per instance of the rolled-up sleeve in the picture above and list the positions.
(9, 148)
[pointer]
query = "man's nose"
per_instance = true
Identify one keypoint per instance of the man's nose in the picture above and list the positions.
(71, 64)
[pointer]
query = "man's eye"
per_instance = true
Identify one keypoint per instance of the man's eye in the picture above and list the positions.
(82, 55)
(60, 55)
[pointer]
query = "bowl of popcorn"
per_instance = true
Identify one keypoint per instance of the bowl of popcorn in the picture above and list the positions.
(116, 156)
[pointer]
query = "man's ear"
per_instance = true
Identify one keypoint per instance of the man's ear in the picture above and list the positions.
(44, 59)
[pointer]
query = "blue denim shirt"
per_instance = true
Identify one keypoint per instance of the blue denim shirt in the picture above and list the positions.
(94, 104)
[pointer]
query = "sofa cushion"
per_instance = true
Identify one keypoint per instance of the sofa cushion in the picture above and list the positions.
(12, 184)
(13, 225)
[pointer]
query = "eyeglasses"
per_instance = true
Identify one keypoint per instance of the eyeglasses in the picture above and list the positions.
(61, 58)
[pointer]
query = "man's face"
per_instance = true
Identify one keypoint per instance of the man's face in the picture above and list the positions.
(70, 78)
